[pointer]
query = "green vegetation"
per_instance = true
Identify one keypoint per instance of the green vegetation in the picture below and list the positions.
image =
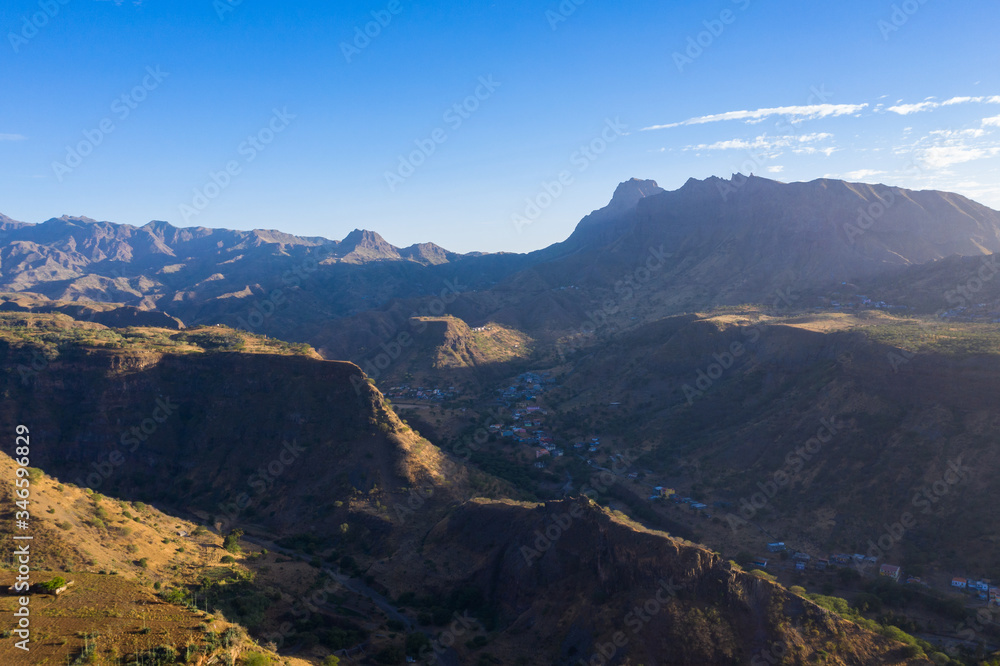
(51, 586)
(232, 541)
(935, 335)
(52, 334)
(919, 648)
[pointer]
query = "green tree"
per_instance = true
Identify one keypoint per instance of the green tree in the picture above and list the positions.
(54, 584)
(232, 541)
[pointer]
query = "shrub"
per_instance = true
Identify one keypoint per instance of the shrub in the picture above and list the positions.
(232, 541)
(54, 584)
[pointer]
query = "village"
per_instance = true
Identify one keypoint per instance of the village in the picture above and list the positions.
(405, 393)
(556, 450)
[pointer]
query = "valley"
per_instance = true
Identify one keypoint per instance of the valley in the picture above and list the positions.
(645, 444)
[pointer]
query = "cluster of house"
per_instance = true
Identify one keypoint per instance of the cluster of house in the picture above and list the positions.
(405, 392)
(662, 492)
(979, 587)
(528, 429)
(975, 312)
(862, 301)
(527, 387)
(892, 571)
(804, 560)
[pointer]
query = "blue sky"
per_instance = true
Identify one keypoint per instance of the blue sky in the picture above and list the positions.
(260, 114)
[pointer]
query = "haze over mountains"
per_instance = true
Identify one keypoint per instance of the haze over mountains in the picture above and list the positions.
(430, 451)
(724, 242)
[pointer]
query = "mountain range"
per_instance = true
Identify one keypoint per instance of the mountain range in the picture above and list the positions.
(505, 458)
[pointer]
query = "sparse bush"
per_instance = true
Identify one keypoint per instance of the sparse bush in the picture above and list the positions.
(54, 584)
(232, 541)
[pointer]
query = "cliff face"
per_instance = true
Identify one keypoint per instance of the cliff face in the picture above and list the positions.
(575, 583)
(273, 440)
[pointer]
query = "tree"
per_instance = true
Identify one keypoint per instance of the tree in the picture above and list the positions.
(232, 541)
(54, 584)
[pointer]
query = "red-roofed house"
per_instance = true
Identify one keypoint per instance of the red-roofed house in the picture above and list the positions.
(890, 571)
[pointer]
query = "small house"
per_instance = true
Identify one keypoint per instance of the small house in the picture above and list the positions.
(890, 571)
(760, 562)
(960, 583)
(778, 547)
(800, 566)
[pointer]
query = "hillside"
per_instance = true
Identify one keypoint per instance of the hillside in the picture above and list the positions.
(567, 582)
(117, 554)
(909, 399)
(648, 254)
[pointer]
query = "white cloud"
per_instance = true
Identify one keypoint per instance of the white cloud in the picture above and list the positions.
(942, 157)
(796, 113)
(929, 104)
(992, 122)
(812, 150)
(763, 142)
(907, 109)
(775, 169)
(12, 137)
(960, 134)
(862, 174)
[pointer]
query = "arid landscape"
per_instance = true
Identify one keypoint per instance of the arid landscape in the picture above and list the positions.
(555, 333)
